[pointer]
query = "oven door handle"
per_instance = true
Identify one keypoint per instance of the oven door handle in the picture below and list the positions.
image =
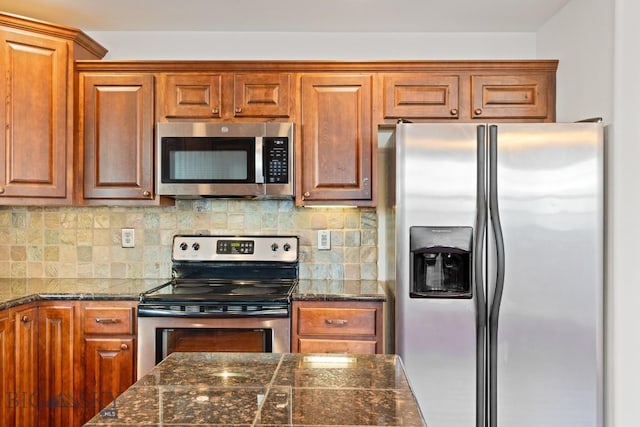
(158, 312)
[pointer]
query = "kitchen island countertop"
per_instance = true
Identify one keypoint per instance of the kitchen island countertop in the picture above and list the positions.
(268, 389)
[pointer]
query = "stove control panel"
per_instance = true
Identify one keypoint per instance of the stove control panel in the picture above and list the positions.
(235, 248)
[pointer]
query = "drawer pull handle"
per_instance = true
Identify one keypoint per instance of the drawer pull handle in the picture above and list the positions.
(338, 322)
(106, 320)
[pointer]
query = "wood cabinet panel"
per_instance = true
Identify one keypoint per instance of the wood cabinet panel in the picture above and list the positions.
(192, 95)
(336, 321)
(523, 96)
(336, 152)
(337, 327)
(56, 344)
(35, 145)
(109, 370)
(421, 96)
(262, 95)
(7, 377)
(26, 366)
(108, 320)
(308, 345)
(118, 128)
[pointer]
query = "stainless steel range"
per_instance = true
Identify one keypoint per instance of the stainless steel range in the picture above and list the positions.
(227, 293)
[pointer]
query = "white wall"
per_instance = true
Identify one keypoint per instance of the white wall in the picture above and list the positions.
(322, 46)
(581, 36)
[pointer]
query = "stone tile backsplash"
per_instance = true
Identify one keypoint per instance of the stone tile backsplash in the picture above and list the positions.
(84, 242)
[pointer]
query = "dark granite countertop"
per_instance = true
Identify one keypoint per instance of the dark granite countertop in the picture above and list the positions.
(17, 291)
(339, 290)
(267, 389)
(14, 292)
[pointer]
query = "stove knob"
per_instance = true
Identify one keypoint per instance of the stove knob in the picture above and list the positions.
(183, 246)
(286, 247)
(196, 246)
(274, 247)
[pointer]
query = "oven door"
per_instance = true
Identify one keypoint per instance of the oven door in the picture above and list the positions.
(160, 336)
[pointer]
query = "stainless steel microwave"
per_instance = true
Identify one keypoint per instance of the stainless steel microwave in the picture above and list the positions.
(196, 159)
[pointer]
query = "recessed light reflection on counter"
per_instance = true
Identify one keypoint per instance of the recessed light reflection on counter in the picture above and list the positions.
(329, 361)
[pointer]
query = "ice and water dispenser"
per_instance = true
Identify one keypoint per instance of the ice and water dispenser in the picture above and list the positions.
(440, 262)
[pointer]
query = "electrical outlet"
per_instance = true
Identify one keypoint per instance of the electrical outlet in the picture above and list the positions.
(128, 238)
(324, 239)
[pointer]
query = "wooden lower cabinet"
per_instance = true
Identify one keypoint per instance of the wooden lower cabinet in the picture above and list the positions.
(56, 349)
(62, 361)
(24, 396)
(337, 327)
(108, 348)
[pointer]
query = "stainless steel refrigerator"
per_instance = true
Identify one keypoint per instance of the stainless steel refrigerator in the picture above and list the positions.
(499, 272)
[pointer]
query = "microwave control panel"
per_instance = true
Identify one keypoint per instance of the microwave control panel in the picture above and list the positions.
(276, 160)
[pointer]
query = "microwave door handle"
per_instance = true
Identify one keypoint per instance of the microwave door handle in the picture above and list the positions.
(259, 165)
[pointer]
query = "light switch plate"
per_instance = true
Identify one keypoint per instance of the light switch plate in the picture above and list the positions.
(128, 238)
(324, 239)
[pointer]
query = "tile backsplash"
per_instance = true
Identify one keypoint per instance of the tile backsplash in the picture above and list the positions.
(85, 242)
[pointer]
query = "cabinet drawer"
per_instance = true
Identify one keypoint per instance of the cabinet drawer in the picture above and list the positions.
(108, 320)
(336, 321)
(306, 345)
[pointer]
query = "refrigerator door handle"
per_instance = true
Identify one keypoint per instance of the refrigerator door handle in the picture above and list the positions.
(494, 311)
(478, 274)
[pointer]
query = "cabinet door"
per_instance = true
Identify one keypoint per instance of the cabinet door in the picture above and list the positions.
(109, 370)
(55, 365)
(262, 95)
(26, 366)
(420, 96)
(335, 154)
(192, 96)
(36, 139)
(7, 377)
(117, 132)
(526, 96)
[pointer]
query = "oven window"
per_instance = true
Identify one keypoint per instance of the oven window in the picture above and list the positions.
(208, 160)
(169, 340)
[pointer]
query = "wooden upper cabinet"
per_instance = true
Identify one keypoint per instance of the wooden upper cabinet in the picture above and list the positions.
(262, 95)
(34, 147)
(192, 95)
(36, 113)
(514, 96)
(225, 95)
(117, 128)
(335, 153)
(420, 96)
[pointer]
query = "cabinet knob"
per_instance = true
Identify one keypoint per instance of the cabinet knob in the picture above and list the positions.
(215, 110)
(1, 190)
(146, 193)
(24, 319)
(238, 110)
(454, 112)
(477, 111)
(124, 347)
(306, 194)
